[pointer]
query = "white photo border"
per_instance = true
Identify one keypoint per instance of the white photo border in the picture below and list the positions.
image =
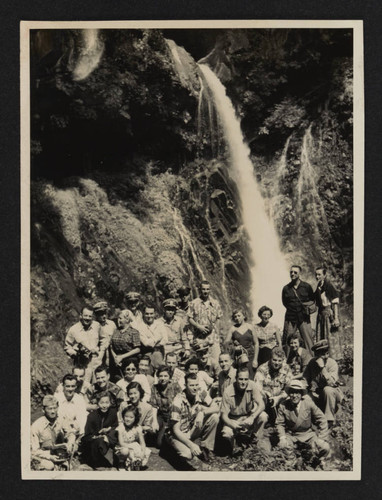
(358, 242)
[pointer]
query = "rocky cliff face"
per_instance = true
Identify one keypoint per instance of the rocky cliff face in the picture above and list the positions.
(130, 188)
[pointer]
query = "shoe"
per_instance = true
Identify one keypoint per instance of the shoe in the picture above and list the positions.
(136, 465)
(128, 464)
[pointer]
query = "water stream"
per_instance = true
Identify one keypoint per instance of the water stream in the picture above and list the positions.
(308, 199)
(90, 54)
(269, 271)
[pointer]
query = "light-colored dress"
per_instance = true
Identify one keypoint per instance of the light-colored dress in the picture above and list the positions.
(129, 445)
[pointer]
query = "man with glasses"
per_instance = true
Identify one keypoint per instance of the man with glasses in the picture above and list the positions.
(294, 295)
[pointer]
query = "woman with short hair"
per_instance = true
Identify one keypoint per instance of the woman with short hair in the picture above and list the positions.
(268, 335)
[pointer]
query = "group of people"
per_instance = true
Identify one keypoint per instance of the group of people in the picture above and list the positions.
(176, 381)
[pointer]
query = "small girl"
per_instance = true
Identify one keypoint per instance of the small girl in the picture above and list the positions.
(132, 446)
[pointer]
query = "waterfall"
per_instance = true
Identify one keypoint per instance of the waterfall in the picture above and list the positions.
(269, 271)
(276, 196)
(187, 250)
(90, 54)
(308, 199)
(207, 113)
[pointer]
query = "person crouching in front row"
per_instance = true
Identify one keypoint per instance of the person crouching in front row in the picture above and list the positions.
(295, 418)
(242, 409)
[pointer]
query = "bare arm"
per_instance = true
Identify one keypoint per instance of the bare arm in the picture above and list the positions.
(228, 338)
(256, 347)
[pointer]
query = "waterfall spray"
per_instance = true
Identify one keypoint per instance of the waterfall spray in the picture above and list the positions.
(90, 55)
(308, 198)
(269, 271)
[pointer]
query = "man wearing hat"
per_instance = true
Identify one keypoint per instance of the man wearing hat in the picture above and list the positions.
(108, 327)
(204, 314)
(321, 375)
(172, 327)
(182, 310)
(51, 437)
(295, 418)
(133, 300)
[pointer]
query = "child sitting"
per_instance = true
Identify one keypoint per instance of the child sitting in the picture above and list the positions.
(132, 446)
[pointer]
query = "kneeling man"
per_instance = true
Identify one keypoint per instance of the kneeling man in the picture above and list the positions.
(295, 418)
(51, 437)
(242, 409)
(193, 415)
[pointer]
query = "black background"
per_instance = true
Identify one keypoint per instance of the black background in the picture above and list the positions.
(11, 13)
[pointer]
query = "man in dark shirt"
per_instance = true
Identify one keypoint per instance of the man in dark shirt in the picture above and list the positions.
(294, 294)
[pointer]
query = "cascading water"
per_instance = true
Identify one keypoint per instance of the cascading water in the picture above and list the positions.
(188, 249)
(269, 270)
(308, 200)
(276, 196)
(90, 54)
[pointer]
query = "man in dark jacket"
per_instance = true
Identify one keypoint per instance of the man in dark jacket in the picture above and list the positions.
(294, 295)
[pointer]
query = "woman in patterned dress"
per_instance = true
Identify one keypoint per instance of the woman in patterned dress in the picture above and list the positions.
(125, 343)
(267, 334)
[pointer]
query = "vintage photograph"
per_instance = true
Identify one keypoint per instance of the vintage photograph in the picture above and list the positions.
(192, 244)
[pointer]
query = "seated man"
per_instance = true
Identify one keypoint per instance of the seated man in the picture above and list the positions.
(271, 378)
(227, 374)
(51, 437)
(295, 418)
(177, 375)
(205, 381)
(206, 363)
(103, 384)
(193, 415)
(144, 368)
(321, 375)
(242, 408)
(72, 406)
(82, 386)
(162, 395)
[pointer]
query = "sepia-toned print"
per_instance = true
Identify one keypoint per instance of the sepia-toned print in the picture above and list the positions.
(190, 280)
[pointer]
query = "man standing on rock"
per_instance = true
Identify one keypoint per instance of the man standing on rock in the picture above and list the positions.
(204, 315)
(294, 295)
(82, 343)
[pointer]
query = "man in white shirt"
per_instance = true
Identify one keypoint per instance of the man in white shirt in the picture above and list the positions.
(71, 406)
(82, 386)
(153, 337)
(82, 343)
